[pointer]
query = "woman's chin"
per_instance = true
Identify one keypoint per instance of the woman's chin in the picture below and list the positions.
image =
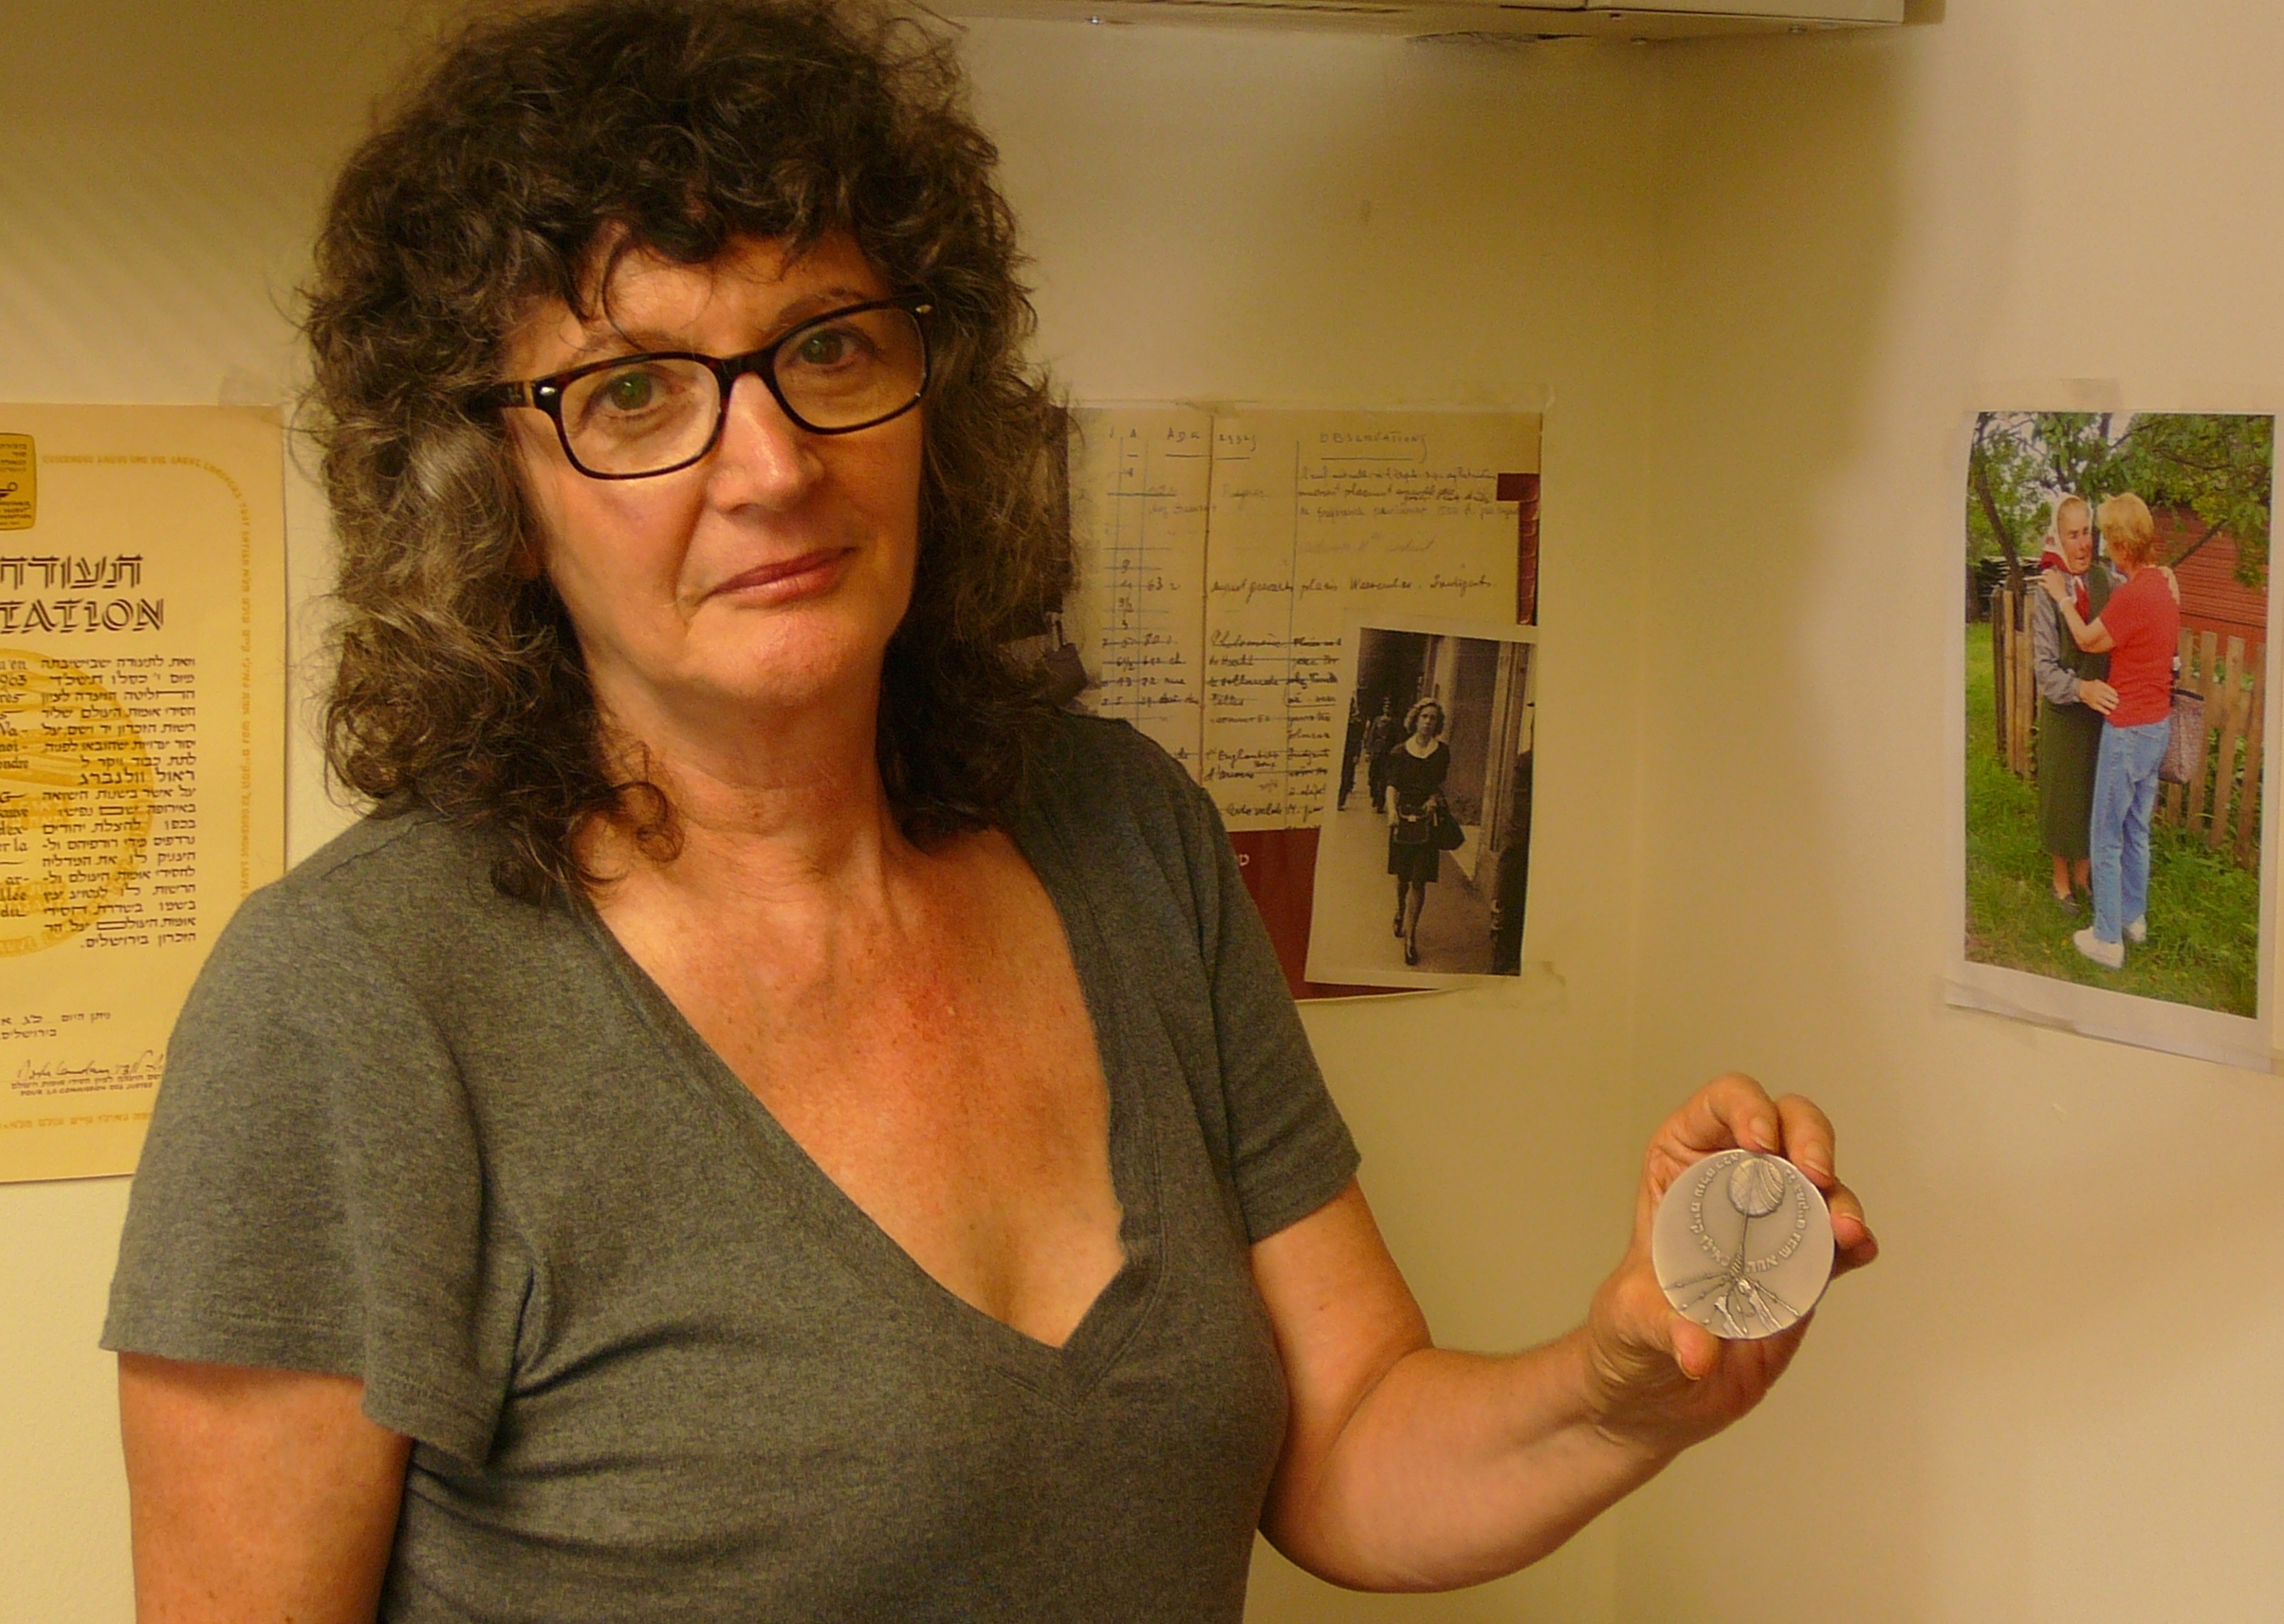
(829, 676)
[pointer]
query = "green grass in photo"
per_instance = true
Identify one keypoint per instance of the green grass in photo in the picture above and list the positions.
(2204, 911)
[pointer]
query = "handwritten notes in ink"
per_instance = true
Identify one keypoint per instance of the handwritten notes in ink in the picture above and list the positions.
(1140, 482)
(1221, 553)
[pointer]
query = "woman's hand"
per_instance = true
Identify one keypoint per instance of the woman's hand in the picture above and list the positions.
(2099, 695)
(1409, 1467)
(2057, 586)
(2172, 580)
(1661, 1381)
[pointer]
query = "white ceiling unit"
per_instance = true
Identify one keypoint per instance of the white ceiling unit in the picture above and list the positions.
(1479, 19)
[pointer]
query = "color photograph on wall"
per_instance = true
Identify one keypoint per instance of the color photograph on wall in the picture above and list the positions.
(2116, 693)
(1423, 863)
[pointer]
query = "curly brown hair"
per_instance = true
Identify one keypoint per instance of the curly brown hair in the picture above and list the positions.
(531, 154)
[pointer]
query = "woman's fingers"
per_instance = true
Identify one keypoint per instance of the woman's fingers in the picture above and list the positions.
(1643, 1338)
(1810, 1145)
(1696, 1351)
(1852, 1242)
(1807, 1139)
(1729, 1110)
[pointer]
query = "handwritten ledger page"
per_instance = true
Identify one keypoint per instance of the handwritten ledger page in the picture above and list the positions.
(1216, 624)
(1141, 481)
(142, 749)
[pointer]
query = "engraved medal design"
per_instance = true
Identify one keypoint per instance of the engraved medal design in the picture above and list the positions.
(1742, 1244)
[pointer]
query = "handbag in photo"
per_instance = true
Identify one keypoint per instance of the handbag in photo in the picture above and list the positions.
(2185, 745)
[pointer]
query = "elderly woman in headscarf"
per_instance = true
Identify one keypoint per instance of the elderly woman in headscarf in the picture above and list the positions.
(2073, 696)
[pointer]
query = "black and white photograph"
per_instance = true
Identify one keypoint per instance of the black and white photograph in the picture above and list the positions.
(1423, 864)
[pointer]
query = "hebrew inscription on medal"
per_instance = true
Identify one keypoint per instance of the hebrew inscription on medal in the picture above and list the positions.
(1742, 1244)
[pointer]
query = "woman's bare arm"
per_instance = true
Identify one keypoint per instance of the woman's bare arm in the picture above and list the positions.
(1407, 1467)
(2094, 640)
(1410, 1468)
(256, 1496)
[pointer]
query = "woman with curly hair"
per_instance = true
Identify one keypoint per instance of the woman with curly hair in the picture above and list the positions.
(767, 1117)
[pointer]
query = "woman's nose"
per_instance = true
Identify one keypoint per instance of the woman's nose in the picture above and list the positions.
(763, 457)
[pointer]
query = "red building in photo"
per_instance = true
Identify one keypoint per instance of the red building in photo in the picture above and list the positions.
(2211, 598)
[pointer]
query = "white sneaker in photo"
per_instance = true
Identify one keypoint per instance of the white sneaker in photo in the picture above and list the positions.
(2138, 932)
(2110, 955)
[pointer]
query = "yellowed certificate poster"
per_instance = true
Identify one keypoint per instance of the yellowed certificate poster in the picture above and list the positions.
(142, 635)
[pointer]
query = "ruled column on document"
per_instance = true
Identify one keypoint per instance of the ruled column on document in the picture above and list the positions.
(1139, 481)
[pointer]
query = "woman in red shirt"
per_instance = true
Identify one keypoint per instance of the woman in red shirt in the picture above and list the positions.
(2138, 628)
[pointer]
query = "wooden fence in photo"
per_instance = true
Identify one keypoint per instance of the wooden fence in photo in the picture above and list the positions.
(2222, 801)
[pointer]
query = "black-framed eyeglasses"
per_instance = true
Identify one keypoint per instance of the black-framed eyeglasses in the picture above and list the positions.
(635, 416)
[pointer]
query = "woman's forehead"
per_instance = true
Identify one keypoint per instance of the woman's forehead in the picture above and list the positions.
(641, 297)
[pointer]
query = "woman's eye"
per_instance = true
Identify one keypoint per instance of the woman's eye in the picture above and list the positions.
(630, 391)
(827, 347)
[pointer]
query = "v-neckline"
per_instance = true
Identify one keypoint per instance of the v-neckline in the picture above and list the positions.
(1066, 1372)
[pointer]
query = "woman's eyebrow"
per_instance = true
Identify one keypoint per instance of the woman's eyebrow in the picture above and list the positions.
(638, 341)
(626, 341)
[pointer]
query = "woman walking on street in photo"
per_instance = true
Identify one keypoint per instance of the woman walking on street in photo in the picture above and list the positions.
(2073, 696)
(2138, 629)
(1414, 771)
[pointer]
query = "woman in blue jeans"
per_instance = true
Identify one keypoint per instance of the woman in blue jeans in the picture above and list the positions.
(2138, 628)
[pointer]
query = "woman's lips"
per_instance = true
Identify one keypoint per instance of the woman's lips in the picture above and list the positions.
(792, 578)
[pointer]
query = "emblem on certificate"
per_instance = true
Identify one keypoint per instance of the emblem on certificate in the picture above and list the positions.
(1742, 1244)
(19, 473)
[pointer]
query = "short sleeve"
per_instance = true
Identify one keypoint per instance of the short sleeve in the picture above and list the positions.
(1289, 1151)
(311, 1193)
(1271, 1121)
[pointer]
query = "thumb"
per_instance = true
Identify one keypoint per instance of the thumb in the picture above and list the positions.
(1696, 1350)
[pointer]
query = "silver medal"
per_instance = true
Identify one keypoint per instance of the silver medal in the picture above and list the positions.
(1742, 1244)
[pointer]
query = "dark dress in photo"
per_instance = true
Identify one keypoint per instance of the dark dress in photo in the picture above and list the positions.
(2069, 732)
(1412, 779)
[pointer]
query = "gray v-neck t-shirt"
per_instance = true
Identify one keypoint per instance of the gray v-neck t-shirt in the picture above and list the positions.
(654, 1363)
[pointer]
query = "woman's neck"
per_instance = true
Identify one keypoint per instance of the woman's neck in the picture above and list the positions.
(766, 801)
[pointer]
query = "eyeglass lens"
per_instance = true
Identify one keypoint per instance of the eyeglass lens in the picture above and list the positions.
(842, 372)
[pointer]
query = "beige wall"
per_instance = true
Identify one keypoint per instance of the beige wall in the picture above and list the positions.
(1761, 281)
(2057, 1399)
